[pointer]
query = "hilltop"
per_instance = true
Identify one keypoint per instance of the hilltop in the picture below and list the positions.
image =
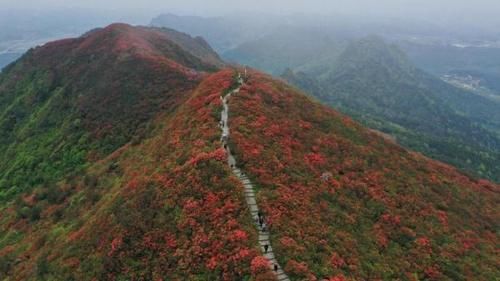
(74, 101)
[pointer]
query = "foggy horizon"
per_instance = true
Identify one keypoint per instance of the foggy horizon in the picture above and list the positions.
(480, 13)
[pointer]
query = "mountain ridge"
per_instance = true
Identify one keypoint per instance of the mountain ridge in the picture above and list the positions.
(153, 196)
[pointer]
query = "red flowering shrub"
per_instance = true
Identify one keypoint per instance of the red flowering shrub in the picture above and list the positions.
(337, 278)
(259, 264)
(337, 261)
(315, 159)
(423, 241)
(295, 268)
(239, 235)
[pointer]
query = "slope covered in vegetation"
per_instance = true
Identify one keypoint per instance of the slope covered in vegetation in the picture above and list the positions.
(343, 201)
(74, 101)
(164, 208)
(115, 171)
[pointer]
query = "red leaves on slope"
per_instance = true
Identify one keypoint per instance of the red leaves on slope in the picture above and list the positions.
(337, 261)
(115, 245)
(298, 269)
(239, 235)
(325, 182)
(218, 155)
(337, 278)
(259, 264)
(315, 159)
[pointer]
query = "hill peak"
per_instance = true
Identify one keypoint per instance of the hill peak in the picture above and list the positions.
(374, 50)
(159, 45)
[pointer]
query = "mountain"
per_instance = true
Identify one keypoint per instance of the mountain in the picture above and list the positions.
(115, 171)
(25, 28)
(377, 84)
(92, 93)
(287, 47)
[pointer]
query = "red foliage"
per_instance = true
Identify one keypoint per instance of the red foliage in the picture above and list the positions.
(443, 218)
(116, 243)
(315, 159)
(259, 264)
(337, 261)
(337, 278)
(297, 268)
(323, 179)
(433, 273)
(239, 235)
(218, 155)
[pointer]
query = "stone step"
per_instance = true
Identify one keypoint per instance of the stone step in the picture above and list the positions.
(282, 277)
(251, 201)
(270, 256)
(249, 191)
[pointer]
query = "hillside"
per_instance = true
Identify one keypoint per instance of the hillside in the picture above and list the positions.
(76, 100)
(375, 83)
(143, 189)
(344, 201)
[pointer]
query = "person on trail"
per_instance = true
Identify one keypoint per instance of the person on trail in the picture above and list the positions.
(266, 248)
(225, 146)
(259, 214)
(275, 267)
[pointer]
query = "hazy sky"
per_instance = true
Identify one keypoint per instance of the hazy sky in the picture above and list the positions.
(466, 10)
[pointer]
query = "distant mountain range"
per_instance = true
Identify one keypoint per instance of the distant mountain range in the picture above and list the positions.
(113, 167)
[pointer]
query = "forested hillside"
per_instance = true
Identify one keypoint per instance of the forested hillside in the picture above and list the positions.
(75, 101)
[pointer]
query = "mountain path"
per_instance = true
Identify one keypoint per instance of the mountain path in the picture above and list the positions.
(258, 218)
